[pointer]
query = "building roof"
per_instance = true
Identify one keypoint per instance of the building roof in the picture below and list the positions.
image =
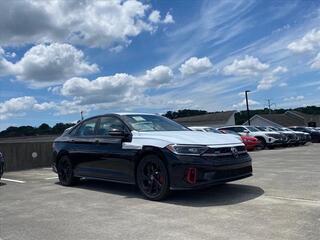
(306, 117)
(283, 119)
(218, 118)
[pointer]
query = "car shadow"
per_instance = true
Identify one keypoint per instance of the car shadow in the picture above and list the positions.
(226, 194)
(2, 184)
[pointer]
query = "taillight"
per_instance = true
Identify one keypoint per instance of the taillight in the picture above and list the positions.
(191, 175)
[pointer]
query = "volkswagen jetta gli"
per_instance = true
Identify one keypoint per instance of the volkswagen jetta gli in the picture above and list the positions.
(151, 151)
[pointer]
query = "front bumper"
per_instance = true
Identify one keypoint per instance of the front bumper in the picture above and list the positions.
(209, 170)
(275, 142)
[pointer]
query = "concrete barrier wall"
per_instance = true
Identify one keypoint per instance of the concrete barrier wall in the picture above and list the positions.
(26, 155)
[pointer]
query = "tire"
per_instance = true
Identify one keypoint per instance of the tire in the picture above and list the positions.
(153, 178)
(270, 147)
(263, 144)
(65, 172)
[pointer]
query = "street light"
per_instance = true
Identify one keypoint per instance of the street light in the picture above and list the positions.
(248, 112)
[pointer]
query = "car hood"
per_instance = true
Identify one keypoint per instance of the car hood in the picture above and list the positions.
(298, 132)
(287, 132)
(163, 138)
(262, 133)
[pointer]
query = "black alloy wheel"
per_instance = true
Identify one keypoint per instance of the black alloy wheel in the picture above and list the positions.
(65, 172)
(153, 178)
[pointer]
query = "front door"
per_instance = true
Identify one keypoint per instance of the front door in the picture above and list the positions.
(115, 162)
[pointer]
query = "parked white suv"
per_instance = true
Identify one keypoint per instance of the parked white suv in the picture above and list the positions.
(267, 139)
(212, 130)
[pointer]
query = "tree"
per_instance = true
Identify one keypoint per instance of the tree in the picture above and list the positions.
(184, 113)
(44, 129)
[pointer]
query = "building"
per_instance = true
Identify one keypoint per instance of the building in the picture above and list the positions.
(289, 118)
(217, 119)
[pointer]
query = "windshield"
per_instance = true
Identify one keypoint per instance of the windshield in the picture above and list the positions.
(149, 123)
(277, 129)
(212, 130)
(252, 129)
(262, 128)
(230, 132)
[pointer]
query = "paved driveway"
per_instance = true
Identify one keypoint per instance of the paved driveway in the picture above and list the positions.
(281, 201)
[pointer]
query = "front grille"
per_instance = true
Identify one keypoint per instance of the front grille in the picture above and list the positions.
(224, 151)
(291, 136)
(276, 136)
(224, 174)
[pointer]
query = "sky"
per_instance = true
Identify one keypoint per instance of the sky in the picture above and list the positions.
(58, 58)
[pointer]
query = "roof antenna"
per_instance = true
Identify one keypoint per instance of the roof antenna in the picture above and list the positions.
(81, 114)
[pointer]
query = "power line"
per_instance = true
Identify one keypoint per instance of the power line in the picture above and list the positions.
(269, 105)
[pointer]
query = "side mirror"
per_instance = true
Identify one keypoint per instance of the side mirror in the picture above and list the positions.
(121, 133)
(246, 131)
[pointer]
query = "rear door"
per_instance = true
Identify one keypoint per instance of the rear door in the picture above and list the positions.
(82, 149)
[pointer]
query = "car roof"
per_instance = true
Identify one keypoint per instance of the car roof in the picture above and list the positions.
(134, 113)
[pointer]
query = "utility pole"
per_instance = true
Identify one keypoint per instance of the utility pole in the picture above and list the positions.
(247, 103)
(269, 105)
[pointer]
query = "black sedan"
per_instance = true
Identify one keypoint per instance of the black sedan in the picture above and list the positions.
(151, 151)
(1, 164)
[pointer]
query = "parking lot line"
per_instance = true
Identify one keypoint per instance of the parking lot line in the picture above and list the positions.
(48, 178)
(12, 180)
(294, 199)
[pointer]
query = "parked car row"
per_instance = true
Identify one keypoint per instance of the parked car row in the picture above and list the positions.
(261, 137)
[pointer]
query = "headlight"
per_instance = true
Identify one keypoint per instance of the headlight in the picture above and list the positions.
(187, 149)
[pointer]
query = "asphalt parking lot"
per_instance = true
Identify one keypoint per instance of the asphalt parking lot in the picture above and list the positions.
(281, 201)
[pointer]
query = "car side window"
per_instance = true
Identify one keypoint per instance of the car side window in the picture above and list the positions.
(109, 123)
(237, 129)
(87, 128)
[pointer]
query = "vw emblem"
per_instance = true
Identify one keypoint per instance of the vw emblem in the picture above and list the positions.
(234, 152)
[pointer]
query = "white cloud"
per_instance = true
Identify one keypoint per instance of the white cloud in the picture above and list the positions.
(156, 77)
(117, 88)
(315, 64)
(269, 80)
(168, 19)
(308, 42)
(155, 16)
(5, 65)
(293, 98)
(91, 23)
(44, 106)
(280, 69)
(195, 65)
(16, 107)
(45, 65)
(243, 103)
(267, 83)
(103, 89)
(248, 66)
(283, 84)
